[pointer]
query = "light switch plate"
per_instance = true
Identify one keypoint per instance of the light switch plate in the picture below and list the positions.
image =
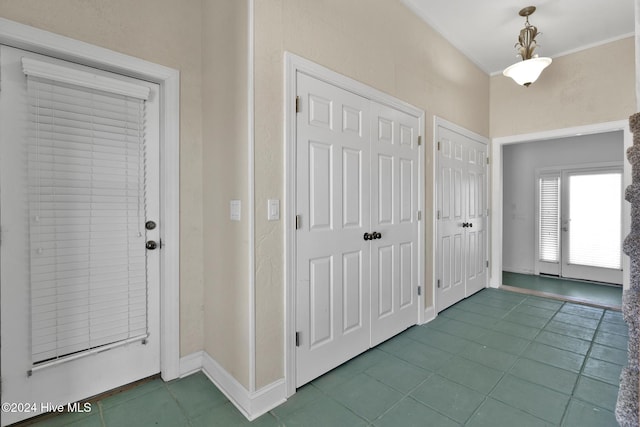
(273, 210)
(235, 207)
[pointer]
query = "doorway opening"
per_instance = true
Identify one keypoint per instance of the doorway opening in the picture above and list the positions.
(547, 238)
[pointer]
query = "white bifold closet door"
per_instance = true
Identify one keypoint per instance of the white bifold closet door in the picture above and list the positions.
(357, 241)
(78, 183)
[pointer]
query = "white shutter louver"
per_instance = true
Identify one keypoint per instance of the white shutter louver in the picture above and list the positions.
(549, 227)
(86, 210)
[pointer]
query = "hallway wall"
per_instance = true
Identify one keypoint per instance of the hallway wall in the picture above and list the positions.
(590, 86)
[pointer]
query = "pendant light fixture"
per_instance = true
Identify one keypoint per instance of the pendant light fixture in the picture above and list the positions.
(529, 69)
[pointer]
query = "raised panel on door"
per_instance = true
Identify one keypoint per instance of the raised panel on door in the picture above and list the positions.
(451, 241)
(333, 201)
(394, 199)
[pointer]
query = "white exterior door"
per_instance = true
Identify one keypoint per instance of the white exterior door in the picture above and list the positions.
(73, 206)
(591, 223)
(394, 209)
(476, 257)
(462, 217)
(357, 236)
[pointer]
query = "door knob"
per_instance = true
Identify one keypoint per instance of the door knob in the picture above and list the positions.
(151, 245)
(465, 225)
(368, 236)
(377, 235)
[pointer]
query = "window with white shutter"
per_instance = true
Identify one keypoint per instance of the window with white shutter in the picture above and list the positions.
(86, 171)
(549, 219)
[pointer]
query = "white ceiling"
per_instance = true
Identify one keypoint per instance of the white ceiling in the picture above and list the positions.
(486, 31)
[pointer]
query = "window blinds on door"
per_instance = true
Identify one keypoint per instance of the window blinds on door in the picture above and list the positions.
(86, 170)
(549, 227)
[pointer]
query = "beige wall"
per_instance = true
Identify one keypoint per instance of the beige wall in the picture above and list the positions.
(226, 171)
(166, 32)
(591, 86)
(380, 43)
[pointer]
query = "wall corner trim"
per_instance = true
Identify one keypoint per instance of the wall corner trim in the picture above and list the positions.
(429, 314)
(250, 404)
(191, 363)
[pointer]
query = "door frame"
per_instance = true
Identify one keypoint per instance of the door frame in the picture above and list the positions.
(496, 201)
(437, 122)
(46, 43)
(294, 64)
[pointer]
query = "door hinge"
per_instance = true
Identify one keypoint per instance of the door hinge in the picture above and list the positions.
(419, 139)
(438, 145)
(487, 159)
(438, 213)
(298, 222)
(297, 104)
(419, 215)
(487, 263)
(419, 290)
(438, 282)
(297, 339)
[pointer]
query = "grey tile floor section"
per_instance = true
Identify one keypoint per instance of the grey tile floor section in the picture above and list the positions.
(494, 359)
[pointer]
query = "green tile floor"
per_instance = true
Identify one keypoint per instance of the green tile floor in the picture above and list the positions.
(589, 292)
(495, 359)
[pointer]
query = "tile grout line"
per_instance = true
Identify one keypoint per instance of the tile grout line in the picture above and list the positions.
(101, 414)
(518, 357)
(182, 409)
(584, 362)
(487, 395)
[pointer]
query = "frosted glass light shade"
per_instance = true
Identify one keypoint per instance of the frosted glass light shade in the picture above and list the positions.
(526, 72)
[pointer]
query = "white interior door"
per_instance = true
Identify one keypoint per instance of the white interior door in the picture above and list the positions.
(333, 196)
(357, 238)
(462, 217)
(592, 225)
(476, 258)
(394, 209)
(73, 205)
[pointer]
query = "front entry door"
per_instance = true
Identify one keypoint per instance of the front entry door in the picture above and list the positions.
(462, 217)
(357, 236)
(78, 181)
(592, 224)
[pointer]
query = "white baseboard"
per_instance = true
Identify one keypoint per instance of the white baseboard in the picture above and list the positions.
(191, 364)
(251, 405)
(429, 314)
